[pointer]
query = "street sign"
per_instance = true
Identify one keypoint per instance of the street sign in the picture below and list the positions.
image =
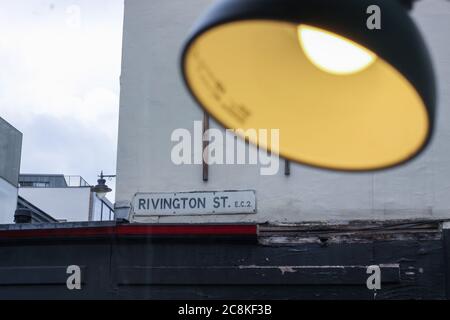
(194, 203)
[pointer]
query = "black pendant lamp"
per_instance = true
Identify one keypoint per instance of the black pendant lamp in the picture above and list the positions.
(343, 96)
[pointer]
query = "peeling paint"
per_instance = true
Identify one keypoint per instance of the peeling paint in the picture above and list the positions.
(286, 269)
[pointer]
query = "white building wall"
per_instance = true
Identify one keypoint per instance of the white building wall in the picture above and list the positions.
(71, 204)
(8, 201)
(154, 102)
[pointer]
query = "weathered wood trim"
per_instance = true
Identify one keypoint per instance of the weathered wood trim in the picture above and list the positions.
(350, 232)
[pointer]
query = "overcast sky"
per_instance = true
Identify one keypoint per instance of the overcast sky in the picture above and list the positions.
(59, 83)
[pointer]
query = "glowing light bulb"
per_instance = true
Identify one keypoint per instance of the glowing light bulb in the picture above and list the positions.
(333, 53)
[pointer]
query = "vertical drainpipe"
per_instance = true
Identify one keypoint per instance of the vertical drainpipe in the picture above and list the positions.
(204, 147)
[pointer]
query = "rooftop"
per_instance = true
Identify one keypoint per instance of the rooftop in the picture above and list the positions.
(51, 181)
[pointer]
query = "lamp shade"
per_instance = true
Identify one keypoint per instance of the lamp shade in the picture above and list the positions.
(342, 96)
(101, 189)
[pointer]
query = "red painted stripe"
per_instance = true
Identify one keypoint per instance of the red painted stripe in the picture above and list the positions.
(189, 229)
(142, 230)
(63, 232)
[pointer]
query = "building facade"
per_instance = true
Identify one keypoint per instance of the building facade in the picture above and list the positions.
(65, 198)
(10, 153)
(154, 104)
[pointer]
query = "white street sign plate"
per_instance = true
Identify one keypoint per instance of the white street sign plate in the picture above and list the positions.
(194, 203)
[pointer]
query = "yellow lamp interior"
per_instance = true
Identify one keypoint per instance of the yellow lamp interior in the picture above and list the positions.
(333, 112)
